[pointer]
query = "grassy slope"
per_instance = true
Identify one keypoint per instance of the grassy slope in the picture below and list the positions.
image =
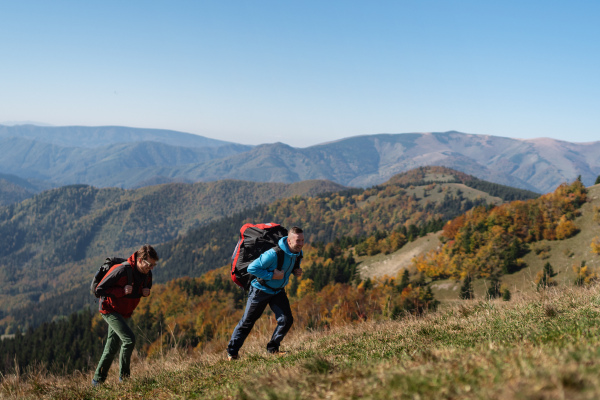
(539, 345)
(562, 255)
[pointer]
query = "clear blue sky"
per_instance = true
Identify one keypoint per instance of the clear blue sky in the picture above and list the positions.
(305, 72)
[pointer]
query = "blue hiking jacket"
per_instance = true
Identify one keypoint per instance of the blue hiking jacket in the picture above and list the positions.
(264, 266)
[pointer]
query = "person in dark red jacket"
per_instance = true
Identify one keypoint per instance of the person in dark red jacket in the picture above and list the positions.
(119, 298)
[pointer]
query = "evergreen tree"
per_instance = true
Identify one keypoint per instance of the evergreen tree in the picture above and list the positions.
(293, 288)
(545, 277)
(405, 281)
(494, 289)
(549, 270)
(597, 180)
(506, 295)
(512, 254)
(466, 290)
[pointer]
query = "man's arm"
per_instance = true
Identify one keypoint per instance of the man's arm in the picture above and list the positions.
(264, 267)
(297, 271)
(147, 286)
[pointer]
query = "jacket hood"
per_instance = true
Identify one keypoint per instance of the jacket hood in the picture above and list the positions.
(132, 261)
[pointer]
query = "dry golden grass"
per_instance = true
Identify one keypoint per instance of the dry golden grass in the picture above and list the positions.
(537, 346)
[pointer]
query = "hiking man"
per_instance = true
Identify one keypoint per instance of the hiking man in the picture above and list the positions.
(268, 288)
(118, 300)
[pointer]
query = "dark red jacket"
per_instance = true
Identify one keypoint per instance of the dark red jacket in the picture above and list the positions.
(112, 289)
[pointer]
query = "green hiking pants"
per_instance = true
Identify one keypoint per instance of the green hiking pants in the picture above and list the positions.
(119, 335)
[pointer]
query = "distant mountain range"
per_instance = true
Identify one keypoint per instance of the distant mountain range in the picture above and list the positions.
(134, 157)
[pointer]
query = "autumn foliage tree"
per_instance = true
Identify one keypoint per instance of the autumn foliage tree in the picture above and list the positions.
(595, 245)
(491, 240)
(584, 274)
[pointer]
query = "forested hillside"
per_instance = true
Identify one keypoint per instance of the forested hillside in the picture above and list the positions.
(12, 193)
(14, 189)
(355, 213)
(57, 239)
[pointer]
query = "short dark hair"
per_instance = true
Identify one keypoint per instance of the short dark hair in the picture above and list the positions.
(147, 251)
(295, 230)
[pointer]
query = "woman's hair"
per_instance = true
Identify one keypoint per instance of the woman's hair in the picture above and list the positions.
(146, 251)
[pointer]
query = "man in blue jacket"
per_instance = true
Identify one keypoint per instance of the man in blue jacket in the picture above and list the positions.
(268, 288)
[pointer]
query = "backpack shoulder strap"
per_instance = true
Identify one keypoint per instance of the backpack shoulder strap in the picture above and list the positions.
(280, 257)
(129, 273)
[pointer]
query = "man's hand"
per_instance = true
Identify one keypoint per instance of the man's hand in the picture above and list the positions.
(146, 292)
(298, 272)
(128, 289)
(277, 274)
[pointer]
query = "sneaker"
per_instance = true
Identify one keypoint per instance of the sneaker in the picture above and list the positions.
(232, 357)
(96, 383)
(278, 353)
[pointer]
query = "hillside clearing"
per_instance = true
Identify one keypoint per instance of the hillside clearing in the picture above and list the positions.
(389, 265)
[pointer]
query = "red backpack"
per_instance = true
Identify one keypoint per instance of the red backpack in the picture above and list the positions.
(255, 239)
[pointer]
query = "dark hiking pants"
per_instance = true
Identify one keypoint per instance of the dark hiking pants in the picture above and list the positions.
(257, 302)
(120, 336)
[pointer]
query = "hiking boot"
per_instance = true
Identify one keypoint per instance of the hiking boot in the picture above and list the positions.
(232, 357)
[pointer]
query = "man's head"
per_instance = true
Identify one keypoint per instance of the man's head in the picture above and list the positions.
(295, 239)
(146, 258)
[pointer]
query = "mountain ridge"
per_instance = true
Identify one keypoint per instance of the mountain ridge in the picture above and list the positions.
(361, 161)
(95, 136)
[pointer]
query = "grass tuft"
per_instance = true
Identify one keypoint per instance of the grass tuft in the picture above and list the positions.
(318, 365)
(550, 311)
